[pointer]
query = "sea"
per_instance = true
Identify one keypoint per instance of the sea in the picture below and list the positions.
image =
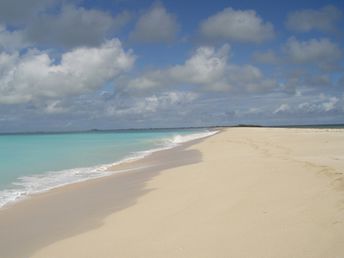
(35, 163)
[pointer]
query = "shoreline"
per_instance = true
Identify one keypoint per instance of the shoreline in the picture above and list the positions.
(61, 178)
(21, 214)
(244, 192)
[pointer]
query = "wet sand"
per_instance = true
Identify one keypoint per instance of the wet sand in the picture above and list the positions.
(48, 217)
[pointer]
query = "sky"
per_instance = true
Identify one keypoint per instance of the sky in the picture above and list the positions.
(112, 64)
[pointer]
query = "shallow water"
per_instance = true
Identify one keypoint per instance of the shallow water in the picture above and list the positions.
(32, 163)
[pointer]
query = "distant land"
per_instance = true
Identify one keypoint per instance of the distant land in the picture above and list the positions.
(178, 128)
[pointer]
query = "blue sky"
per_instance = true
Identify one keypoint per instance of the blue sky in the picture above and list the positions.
(77, 65)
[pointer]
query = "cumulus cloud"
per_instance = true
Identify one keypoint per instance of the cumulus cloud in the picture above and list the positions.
(324, 19)
(210, 69)
(155, 25)
(319, 51)
(236, 25)
(74, 26)
(207, 66)
(35, 74)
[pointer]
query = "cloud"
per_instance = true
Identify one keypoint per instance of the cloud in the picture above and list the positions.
(236, 25)
(151, 104)
(318, 80)
(267, 57)
(167, 109)
(74, 26)
(312, 81)
(319, 51)
(18, 11)
(324, 19)
(54, 107)
(330, 104)
(155, 25)
(282, 108)
(35, 75)
(209, 69)
(12, 40)
(318, 107)
(321, 104)
(207, 66)
(90, 110)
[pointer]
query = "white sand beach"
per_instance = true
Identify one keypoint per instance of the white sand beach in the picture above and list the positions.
(245, 192)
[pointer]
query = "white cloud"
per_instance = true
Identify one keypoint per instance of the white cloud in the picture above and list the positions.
(249, 78)
(209, 68)
(330, 104)
(319, 51)
(74, 26)
(324, 19)
(155, 25)
(33, 75)
(318, 107)
(54, 107)
(149, 81)
(206, 66)
(236, 25)
(282, 109)
(313, 105)
(153, 103)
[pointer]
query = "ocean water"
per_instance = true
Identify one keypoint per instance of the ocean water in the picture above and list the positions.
(33, 163)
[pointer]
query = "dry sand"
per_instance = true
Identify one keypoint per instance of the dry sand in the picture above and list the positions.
(245, 192)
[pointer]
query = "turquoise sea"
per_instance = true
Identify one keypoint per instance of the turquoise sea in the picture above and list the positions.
(33, 163)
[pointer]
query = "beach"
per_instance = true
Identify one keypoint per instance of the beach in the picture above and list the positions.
(244, 192)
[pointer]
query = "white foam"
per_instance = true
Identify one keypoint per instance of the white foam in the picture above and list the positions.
(29, 185)
(178, 139)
